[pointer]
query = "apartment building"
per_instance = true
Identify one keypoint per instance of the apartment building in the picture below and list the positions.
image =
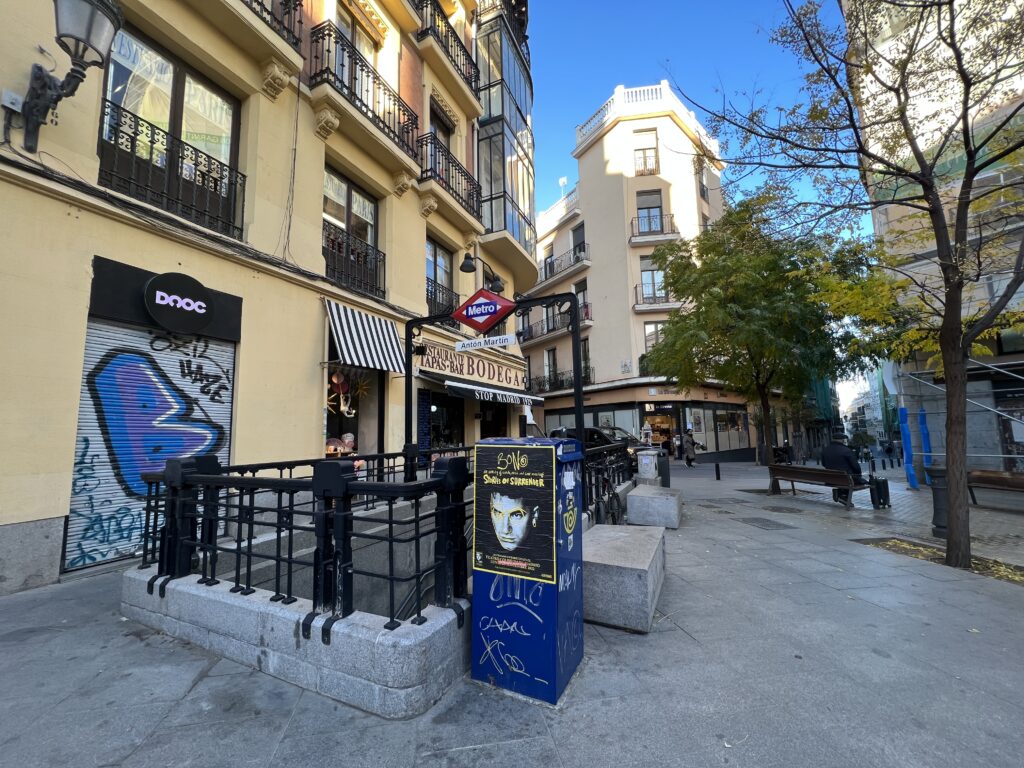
(995, 388)
(643, 181)
(214, 243)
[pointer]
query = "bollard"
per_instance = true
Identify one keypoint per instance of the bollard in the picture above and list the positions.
(872, 465)
(663, 470)
(940, 501)
(718, 471)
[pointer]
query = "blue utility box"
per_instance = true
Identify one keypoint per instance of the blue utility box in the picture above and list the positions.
(528, 564)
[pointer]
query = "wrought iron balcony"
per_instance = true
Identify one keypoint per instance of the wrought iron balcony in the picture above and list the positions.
(282, 16)
(554, 382)
(654, 223)
(145, 162)
(438, 164)
(336, 61)
(553, 324)
(442, 300)
(352, 263)
(647, 294)
(554, 266)
(436, 25)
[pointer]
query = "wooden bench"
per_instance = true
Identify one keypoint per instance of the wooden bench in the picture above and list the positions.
(831, 478)
(994, 480)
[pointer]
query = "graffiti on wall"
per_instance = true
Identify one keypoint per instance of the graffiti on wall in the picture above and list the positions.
(153, 397)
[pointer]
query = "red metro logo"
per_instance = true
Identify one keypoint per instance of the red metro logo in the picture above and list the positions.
(483, 311)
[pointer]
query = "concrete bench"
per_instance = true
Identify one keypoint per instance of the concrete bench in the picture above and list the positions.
(660, 507)
(623, 572)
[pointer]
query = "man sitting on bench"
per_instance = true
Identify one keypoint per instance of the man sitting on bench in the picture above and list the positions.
(836, 455)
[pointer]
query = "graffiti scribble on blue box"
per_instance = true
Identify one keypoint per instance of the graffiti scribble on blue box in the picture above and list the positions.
(528, 565)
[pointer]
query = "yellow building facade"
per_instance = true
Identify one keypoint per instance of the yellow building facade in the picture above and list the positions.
(218, 243)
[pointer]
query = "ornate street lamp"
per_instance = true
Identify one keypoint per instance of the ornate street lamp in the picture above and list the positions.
(85, 30)
(492, 283)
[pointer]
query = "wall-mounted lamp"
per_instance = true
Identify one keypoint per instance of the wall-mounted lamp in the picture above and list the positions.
(85, 30)
(492, 282)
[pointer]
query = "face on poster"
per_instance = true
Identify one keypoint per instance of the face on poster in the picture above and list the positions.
(514, 511)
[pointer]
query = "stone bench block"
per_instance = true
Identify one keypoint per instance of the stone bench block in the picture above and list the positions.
(623, 572)
(649, 505)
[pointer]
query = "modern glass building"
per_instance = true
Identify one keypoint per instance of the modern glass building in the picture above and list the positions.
(506, 137)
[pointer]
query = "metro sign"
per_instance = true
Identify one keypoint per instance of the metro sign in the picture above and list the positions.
(484, 310)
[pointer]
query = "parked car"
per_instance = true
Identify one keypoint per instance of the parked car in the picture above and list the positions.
(598, 437)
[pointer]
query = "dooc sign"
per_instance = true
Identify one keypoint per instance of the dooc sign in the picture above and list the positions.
(179, 303)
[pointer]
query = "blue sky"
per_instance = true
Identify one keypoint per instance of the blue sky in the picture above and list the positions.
(582, 50)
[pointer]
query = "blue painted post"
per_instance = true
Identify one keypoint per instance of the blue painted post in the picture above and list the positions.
(908, 451)
(926, 443)
(528, 565)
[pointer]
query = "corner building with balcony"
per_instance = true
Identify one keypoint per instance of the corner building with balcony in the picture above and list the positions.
(216, 247)
(647, 176)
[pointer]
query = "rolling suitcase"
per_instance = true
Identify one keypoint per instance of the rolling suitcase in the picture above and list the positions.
(878, 487)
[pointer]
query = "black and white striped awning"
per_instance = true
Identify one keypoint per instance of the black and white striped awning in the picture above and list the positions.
(365, 340)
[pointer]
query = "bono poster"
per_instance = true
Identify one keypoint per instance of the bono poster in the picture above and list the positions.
(514, 511)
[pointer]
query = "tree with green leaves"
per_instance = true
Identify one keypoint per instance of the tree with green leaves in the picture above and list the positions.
(753, 317)
(913, 111)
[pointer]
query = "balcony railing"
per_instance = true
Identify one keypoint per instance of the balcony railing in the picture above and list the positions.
(553, 323)
(501, 329)
(436, 24)
(645, 162)
(143, 161)
(654, 224)
(337, 62)
(442, 300)
(553, 266)
(440, 165)
(515, 14)
(282, 16)
(352, 263)
(553, 382)
(653, 294)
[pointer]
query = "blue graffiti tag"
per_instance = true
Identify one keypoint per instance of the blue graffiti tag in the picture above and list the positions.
(145, 418)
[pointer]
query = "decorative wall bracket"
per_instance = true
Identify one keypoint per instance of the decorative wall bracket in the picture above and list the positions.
(402, 182)
(275, 78)
(327, 122)
(428, 204)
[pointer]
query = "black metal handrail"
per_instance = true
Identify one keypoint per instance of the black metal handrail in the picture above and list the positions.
(436, 24)
(654, 224)
(352, 263)
(439, 164)
(556, 265)
(266, 533)
(555, 323)
(338, 63)
(147, 163)
(282, 16)
(559, 380)
(648, 294)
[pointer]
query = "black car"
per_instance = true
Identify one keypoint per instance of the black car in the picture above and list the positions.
(599, 437)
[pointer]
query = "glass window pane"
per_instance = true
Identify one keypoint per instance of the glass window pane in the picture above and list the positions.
(364, 217)
(336, 199)
(140, 80)
(206, 121)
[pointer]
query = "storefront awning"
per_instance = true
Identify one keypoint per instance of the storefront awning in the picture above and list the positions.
(472, 390)
(364, 340)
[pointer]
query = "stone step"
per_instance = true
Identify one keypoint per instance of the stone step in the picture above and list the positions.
(623, 572)
(649, 505)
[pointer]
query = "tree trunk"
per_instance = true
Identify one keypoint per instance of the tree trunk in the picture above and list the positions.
(767, 436)
(958, 542)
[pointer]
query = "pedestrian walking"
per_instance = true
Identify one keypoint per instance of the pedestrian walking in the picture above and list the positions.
(689, 448)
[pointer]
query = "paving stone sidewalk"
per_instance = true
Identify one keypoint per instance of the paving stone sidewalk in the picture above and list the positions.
(793, 647)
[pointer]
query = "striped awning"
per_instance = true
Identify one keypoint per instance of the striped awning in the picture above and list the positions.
(365, 340)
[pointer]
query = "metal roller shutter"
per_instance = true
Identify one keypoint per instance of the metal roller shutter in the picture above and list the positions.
(147, 396)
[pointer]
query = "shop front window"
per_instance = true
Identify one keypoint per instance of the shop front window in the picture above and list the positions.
(352, 407)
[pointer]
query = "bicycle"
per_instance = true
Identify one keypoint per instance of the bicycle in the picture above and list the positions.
(610, 509)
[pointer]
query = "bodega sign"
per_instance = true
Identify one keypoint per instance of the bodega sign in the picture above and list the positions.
(178, 302)
(483, 311)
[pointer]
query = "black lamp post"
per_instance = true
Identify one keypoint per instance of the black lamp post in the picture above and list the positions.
(85, 30)
(493, 283)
